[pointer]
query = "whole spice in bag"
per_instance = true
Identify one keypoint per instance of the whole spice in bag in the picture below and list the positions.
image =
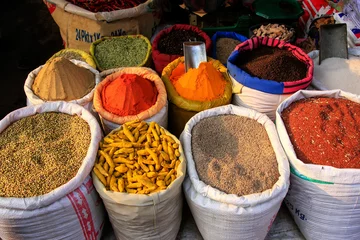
(41, 152)
(272, 63)
(278, 31)
(224, 47)
(172, 43)
(234, 154)
(60, 79)
(129, 94)
(324, 131)
(137, 158)
(204, 83)
(121, 52)
(106, 5)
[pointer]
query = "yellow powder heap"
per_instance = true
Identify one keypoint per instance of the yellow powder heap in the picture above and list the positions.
(60, 79)
(204, 83)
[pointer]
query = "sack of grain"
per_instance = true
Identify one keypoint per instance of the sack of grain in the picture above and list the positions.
(182, 109)
(122, 51)
(323, 199)
(75, 54)
(85, 101)
(80, 27)
(167, 45)
(158, 112)
(223, 43)
(144, 214)
(72, 210)
(222, 214)
(258, 80)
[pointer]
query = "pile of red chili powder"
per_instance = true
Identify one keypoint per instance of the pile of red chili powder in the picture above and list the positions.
(128, 94)
(325, 131)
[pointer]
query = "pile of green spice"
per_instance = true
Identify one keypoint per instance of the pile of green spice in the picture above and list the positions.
(40, 153)
(121, 52)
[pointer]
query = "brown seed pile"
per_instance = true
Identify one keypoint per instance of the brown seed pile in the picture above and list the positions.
(224, 47)
(272, 63)
(40, 153)
(234, 154)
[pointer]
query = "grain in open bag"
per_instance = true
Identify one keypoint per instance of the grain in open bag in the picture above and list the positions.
(265, 71)
(320, 191)
(139, 174)
(132, 94)
(62, 80)
(197, 90)
(221, 215)
(72, 209)
(76, 54)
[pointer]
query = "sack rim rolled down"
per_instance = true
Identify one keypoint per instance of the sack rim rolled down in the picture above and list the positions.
(279, 189)
(327, 174)
(225, 34)
(157, 54)
(264, 85)
(191, 105)
(104, 16)
(148, 52)
(86, 56)
(34, 99)
(144, 72)
(36, 202)
(144, 199)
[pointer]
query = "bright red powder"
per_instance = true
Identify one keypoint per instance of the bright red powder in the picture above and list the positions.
(129, 94)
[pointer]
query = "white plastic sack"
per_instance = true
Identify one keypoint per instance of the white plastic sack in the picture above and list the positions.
(161, 118)
(323, 200)
(227, 216)
(104, 16)
(260, 101)
(152, 217)
(71, 211)
(85, 101)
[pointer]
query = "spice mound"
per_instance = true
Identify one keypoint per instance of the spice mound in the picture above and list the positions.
(41, 153)
(128, 94)
(60, 79)
(121, 52)
(204, 83)
(224, 47)
(325, 131)
(138, 158)
(172, 43)
(234, 154)
(277, 31)
(270, 63)
(106, 5)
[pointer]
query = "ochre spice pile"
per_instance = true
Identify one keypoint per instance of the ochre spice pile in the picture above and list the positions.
(41, 153)
(325, 131)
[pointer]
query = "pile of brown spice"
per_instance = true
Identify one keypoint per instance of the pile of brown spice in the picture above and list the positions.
(60, 79)
(234, 154)
(325, 131)
(41, 152)
(271, 63)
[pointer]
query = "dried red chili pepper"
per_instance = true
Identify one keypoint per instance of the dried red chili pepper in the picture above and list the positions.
(106, 5)
(325, 131)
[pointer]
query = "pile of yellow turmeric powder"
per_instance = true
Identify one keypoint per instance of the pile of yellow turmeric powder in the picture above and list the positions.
(204, 83)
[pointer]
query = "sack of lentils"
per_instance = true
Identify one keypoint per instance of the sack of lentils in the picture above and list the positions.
(238, 173)
(129, 94)
(140, 179)
(168, 44)
(75, 54)
(47, 153)
(122, 51)
(224, 43)
(265, 71)
(61, 79)
(199, 89)
(319, 131)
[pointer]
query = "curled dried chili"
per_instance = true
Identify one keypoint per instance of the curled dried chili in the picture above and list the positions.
(325, 131)
(106, 5)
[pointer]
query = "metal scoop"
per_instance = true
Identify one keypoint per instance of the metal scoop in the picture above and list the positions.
(194, 53)
(333, 41)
